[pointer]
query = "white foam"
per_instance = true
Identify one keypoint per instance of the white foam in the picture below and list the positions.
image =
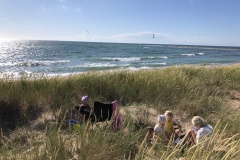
(132, 68)
(14, 75)
(7, 64)
(161, 57)
(152, 57)
(200, 54)
(135, 68)
(151, 45)
(145, 67)
(162, 64)
(42, 63)
(9, 75)
(123, 59)
(30, 63)
(55, 62)
(188, 55)
(99, 65)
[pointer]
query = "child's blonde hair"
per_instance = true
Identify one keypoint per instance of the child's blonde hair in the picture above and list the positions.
(168, 114)
(197, 120)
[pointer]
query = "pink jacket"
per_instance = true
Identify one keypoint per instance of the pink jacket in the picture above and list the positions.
(117, 117)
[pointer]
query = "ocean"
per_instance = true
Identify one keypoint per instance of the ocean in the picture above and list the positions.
(64, 57)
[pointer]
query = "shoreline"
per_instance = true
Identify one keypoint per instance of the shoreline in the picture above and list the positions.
(35, 76)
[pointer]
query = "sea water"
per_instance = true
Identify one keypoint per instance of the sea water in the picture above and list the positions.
(65, 57)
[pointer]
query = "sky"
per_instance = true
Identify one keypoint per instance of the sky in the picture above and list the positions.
(189, 22)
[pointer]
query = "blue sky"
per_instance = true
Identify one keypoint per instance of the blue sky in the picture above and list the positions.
(198, 22)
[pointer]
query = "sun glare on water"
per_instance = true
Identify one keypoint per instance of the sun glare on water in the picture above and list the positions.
(7, 40)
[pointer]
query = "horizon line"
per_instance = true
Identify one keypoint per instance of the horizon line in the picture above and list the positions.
(169, 44)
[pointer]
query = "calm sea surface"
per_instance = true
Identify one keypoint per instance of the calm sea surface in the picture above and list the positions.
(60, 57)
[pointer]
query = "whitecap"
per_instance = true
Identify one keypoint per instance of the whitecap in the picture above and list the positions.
(200, 53)
(163, 57)
(123, 59)
(55, 62)
(158, 57)
(42, 63)
(15, 75)
(145, 67)
(99, 65)
(7, 64)
(188, 55)
(161, 64)
(132, 68)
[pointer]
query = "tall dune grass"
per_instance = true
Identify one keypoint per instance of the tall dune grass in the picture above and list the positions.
(190, 90)
(102, 143)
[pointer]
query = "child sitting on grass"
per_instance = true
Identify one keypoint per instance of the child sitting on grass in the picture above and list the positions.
(164, 128)
(158, 130)
(84, 108)
(200, 131)
(168, 127)
(159, 127)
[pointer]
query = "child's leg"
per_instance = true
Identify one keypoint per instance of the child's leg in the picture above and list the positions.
(193, 137)
(190, 134)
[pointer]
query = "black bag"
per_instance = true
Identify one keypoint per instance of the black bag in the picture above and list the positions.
(102, 112)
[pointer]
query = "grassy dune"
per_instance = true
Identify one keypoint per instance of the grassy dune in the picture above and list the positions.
(25, 104)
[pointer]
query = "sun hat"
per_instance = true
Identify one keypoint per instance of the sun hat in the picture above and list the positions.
(84, 98)
(162, 119)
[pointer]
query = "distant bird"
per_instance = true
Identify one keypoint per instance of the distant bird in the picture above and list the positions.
(153, 35)
(87, 32)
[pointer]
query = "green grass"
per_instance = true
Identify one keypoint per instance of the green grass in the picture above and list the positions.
(206, 92)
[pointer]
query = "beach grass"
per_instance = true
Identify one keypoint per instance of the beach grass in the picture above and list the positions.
(210, 92)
